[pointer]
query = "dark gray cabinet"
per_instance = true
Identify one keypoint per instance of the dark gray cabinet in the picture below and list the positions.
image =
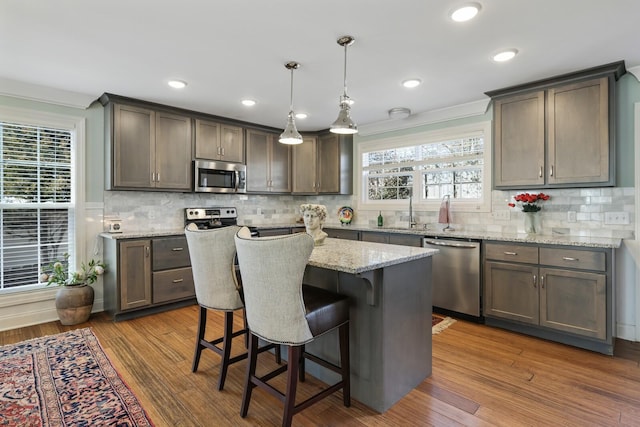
(323, 165)
(146, 275)
(561, 293)
(219, 141)
(147, 149)
(268, 163)
(558, 132)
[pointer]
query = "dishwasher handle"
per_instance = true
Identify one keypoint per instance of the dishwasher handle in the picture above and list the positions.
(451, 243)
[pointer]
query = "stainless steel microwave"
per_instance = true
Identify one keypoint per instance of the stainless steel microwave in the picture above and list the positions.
(219, 177)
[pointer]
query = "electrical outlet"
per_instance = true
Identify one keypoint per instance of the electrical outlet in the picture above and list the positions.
(259, 211)
(502, 215)
(572, 216)
(616, 218)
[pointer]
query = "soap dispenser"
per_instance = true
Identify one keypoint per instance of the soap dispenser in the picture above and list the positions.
(380, 220)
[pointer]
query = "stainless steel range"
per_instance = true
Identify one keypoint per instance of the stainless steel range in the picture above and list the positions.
(207, 218)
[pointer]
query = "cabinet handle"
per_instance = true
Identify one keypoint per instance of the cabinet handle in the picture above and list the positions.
(551, 172)
(218, 151)
(177, 249)
(222, 149)
(153, 177)
(146, 251)
(158, 177)
(566, 258)
(542, 282)
(178, 280)
(511, 253)
(535, 280)
(540, 174)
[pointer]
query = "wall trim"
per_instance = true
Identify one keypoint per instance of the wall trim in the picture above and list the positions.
(470, 109)
(635, 71)
(46, 94)
(636, 124)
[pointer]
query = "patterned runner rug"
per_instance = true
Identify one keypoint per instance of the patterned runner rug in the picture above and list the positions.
(440, 323)
(63, 380)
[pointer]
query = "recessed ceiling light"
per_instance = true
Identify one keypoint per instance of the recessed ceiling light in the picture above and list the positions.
(465, 12)
(248, 102)
(177, 84)
(505, 55)
(411, 83)
(301, 115)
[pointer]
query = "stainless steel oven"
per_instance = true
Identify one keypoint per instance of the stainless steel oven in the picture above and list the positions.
(219, 177)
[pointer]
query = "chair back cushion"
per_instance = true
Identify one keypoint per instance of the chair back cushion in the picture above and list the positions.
(212, 255)
(272, 269)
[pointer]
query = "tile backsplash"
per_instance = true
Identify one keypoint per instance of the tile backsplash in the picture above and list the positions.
(599, 212)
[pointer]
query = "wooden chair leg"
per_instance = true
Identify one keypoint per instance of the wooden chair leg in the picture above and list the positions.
(202, 324)
(250, 373)
(344, 364)
(294, 353)
(226, 347)
(301, 369)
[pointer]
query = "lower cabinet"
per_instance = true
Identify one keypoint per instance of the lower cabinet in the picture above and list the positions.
(560, 293)
(146, 275)
(342, 233)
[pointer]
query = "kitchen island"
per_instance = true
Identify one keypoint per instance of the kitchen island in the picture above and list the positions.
(390, 291)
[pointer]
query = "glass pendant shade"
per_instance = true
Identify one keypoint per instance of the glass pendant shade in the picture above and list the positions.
(290, 136)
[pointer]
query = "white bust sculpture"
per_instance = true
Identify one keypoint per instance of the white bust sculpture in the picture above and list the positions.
(314, 216)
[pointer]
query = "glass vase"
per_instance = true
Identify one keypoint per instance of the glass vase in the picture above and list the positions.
(532, 223)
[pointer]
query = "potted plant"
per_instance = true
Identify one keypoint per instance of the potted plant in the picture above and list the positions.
(74, 299)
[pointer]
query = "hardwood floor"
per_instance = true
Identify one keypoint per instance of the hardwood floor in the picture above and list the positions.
(482, 376)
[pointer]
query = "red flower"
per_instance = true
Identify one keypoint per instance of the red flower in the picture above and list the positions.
(529, 202)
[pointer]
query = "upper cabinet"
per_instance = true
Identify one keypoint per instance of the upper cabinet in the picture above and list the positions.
(323, 165)
(147, 149)
(268, 163)
(219, 141)
(557, 132)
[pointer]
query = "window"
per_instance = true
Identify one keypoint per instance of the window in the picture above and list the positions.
(428, 166)
(37, 211)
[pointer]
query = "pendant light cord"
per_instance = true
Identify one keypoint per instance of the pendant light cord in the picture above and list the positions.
(291, 100)
(345, 70)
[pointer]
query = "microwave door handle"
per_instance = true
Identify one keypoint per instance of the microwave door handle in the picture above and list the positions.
(237, 180)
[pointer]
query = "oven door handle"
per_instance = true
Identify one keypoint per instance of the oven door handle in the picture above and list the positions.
(237, 173)
(451, 244)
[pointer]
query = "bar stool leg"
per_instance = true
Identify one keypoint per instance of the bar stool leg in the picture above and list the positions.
(251, 371)
(226, 347)
(294, 353)
(202, 324)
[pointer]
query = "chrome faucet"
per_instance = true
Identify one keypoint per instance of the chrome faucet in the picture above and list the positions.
(412, 223)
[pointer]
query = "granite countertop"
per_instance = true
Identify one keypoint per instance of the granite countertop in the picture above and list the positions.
(584, 241)
(352, 256)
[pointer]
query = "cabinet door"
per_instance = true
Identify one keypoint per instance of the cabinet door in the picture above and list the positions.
(134, 142)
(578, 133)
(341, 233)
(405, 240)
(519, 140)
(173, 152)
(329, 164)
(304, 166)
(511, 292)
(279, 167)
(257, 161)
(207, 140)
(135, 273)
(231, 143)
(574, 301)
(372, 236)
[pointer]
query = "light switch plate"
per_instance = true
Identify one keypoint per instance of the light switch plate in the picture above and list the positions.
(502, 215)
(572, 216)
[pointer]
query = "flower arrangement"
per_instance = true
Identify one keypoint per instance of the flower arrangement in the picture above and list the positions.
(59, 275)
(529, 202)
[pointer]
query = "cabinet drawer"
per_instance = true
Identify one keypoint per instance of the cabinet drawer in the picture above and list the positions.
(339, 233)
(512, 253)
(573, 258)
(172, 285)
(170, 252)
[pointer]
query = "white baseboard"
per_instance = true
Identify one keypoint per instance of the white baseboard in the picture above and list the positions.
(626, 332)
(37, 316)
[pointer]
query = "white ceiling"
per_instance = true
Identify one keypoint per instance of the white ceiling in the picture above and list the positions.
(235, 49)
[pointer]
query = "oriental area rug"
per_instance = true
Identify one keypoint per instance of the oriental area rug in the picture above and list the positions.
(440, 323)
(64, 380)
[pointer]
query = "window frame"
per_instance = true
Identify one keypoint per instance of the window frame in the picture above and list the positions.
(77, 127)
(419, 138)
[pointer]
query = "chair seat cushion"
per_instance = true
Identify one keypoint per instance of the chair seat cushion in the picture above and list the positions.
(324, 309)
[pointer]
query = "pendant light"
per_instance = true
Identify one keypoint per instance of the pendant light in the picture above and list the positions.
(291, 136)
(343, 123)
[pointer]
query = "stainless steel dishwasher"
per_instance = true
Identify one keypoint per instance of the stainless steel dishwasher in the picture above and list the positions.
(456, 275)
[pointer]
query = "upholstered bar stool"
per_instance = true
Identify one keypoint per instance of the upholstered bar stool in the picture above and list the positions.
(281, 310)
(212, 255)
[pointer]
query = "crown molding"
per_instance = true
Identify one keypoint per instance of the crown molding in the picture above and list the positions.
(635, 71)
(49, 95)
(469, 109)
